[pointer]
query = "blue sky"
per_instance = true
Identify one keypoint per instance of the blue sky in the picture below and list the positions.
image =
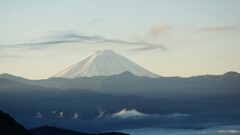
(168, 37)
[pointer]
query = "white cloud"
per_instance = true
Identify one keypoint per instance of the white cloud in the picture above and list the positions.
(39, 115)
(124, 113)
(54, 112)
(179, 115)
(101, 113)
(61, 115)
(129, 114)
(75, 115)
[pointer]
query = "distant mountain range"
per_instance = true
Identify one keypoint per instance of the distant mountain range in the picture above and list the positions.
(162, 87)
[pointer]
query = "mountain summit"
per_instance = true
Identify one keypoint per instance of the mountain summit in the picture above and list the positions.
(104, 63)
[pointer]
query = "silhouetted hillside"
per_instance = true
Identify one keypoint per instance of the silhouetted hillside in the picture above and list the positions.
(46, 130)
(162, 87)
(8, 126)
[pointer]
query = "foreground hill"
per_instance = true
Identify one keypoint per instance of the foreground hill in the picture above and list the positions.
(8, 126)
(47, 130)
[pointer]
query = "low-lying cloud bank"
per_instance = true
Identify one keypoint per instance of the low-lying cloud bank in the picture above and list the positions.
(124, 113)
(230, 131)
(134, 114)
(221, 130)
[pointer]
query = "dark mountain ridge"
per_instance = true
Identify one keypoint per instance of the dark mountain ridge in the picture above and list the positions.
(8, 126)
(162, 87)
(47, 130)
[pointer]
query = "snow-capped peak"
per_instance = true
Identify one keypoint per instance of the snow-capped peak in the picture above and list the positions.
(104, 63)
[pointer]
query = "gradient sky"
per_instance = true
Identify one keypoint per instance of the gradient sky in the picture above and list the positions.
(168, 37)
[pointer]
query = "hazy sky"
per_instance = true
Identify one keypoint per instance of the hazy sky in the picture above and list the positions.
(168, 37)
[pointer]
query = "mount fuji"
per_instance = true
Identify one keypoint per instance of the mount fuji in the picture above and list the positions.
(104, 63)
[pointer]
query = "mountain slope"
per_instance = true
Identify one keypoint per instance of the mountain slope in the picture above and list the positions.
(104, 63)
(14, 78)
(128, 84)
(8, 126)
(46, 130)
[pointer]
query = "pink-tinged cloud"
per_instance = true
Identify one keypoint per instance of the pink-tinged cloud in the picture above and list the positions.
(155, 32)
(219, 28)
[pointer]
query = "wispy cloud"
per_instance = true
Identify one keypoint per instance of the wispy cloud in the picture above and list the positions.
(155, 32)
(39, 115)
(100, 113)
(54, 112)
(73, 37)
(179, 115)
(61, 115)
(219, 28)
(75, 115)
